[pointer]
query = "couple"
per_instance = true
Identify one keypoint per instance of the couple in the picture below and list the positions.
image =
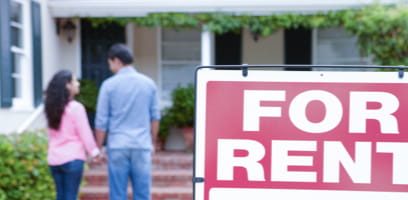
(127, 111)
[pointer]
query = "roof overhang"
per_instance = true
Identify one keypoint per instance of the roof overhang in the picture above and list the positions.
(134, 8)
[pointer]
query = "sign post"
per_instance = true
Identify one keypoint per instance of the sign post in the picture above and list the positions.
(288, 135)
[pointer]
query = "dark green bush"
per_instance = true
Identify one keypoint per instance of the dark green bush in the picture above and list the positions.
(24, 172)
(181, 112)
(88, 94)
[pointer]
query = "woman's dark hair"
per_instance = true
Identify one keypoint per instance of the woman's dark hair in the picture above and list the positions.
(56, 97)
(122, 52)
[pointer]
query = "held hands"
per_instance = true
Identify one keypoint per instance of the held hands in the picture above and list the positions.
(98, 159)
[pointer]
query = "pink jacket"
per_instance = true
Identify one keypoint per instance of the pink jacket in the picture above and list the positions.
(74, 138)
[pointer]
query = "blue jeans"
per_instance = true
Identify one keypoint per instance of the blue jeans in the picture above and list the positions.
(67, 178)
(129, 163)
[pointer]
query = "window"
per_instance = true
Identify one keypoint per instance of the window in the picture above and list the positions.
(20, 49)
(334, 46)
(17, 24)
(180, 54)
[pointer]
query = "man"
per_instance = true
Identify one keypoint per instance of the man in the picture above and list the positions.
(128, 111)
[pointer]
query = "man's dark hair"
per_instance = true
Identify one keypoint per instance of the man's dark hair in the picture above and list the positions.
(122, 52)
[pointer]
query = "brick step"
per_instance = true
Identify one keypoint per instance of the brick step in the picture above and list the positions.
(172, 160)
(171, 178)
(98, 177)
(158, 193)
(166, 160)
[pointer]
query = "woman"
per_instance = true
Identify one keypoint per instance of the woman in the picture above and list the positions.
(70, 136)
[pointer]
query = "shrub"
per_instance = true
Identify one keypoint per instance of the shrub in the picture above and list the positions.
(181, 112)
(88, 94)
(24, 171)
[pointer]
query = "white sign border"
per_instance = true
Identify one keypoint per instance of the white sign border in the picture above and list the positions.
(204, 75)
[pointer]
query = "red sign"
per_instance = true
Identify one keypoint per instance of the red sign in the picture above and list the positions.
(308, 136)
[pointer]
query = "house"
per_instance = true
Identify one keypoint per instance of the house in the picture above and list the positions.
(40, 37)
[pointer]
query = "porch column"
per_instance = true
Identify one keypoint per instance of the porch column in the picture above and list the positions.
(130, 35)
(207, 47)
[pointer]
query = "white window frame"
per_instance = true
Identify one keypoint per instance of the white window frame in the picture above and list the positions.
(25, 101)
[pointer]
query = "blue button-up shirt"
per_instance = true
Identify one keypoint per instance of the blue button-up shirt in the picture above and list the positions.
(127, 103)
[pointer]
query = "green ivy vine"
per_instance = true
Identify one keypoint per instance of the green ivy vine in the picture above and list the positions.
(382, 31)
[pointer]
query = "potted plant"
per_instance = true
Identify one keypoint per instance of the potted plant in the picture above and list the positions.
(180, 114)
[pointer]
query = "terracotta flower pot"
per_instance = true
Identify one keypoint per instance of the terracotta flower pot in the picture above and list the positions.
(188, 135)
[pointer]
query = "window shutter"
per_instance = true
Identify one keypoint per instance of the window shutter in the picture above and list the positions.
(37, 52)
(6, 81)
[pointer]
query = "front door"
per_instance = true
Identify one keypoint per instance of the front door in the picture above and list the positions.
(95, 45)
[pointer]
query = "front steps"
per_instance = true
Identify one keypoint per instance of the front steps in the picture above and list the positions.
(171, 179)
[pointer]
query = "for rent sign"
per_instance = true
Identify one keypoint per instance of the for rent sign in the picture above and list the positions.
(301, 135)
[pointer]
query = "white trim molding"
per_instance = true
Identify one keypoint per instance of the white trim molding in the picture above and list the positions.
(128, 8)
(28, 122)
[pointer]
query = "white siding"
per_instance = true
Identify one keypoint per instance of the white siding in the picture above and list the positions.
(70, 52)
(51, 63)
(145, 51)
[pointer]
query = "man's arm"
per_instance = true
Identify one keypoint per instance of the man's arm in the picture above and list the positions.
(102, 116)
(154, 131)
(100, 137)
